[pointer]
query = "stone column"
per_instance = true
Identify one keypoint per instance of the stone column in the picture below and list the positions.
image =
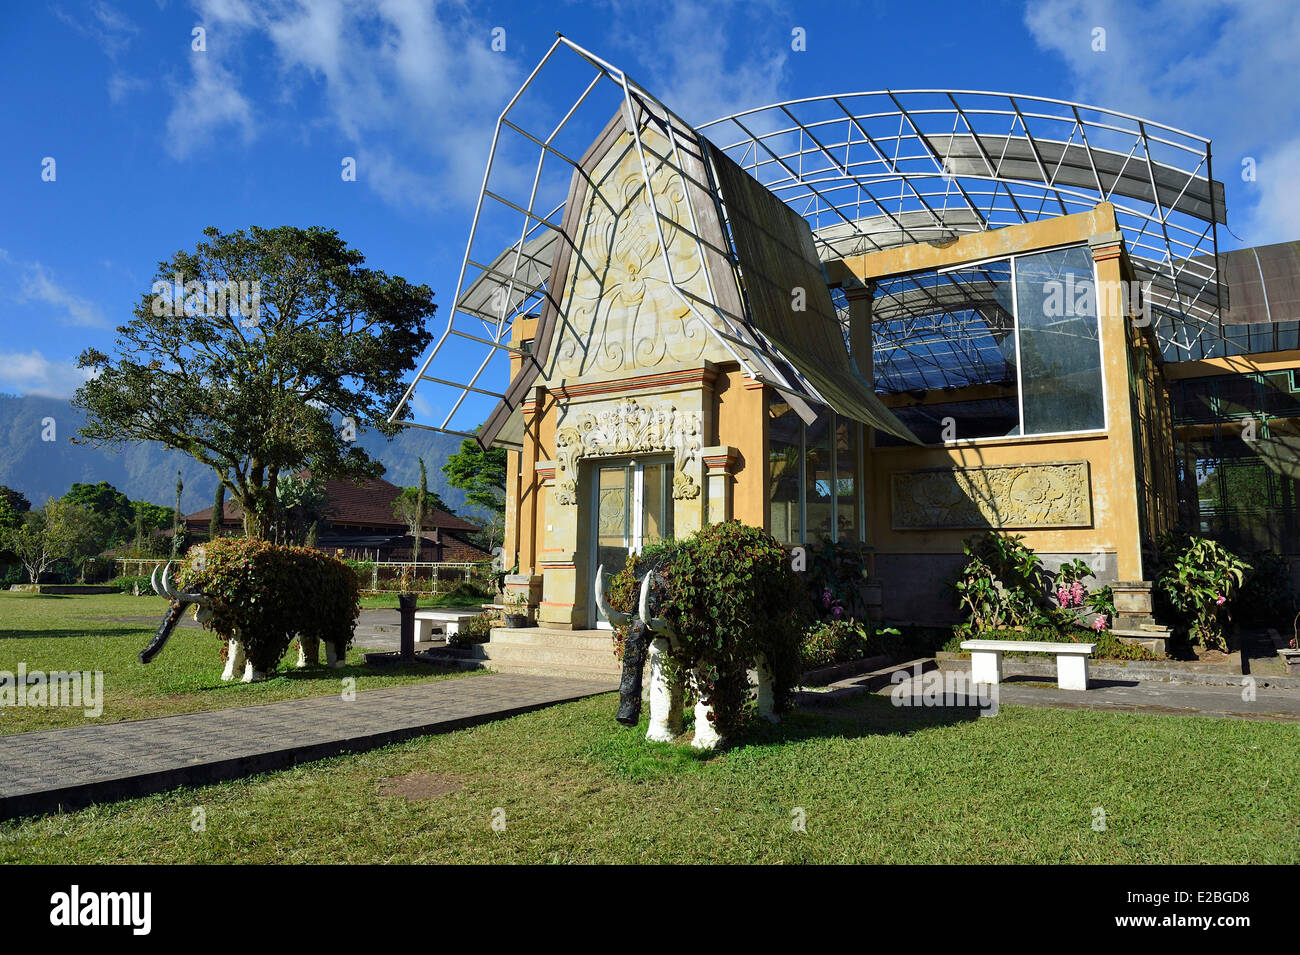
(859, 294)
(719, 466)
(555, 557)
(1113, 328)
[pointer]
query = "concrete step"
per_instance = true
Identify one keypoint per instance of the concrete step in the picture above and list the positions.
(551, 656)
(536, 636)
(576, 672)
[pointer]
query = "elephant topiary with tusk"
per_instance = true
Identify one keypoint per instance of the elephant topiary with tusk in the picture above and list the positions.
(257, 596)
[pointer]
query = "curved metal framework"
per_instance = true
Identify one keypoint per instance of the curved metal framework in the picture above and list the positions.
(867, 171)
(873, 170)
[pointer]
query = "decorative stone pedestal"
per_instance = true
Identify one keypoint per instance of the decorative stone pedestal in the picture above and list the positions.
(1133, 621)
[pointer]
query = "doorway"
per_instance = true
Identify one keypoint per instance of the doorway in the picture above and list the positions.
(631, 506)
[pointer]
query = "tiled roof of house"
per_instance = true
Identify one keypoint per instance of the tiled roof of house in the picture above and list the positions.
(368, 504)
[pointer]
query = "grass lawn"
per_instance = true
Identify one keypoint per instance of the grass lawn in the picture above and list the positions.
(106, 632)
(874, 783)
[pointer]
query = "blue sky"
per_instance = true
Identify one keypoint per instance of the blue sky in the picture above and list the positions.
(153, 140)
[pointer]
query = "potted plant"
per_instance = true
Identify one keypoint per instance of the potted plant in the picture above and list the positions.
(516, 604)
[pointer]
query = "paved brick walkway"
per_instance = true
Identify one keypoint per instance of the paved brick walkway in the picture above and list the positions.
(66, 768)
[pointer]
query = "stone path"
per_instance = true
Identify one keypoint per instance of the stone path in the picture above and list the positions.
(66, 768)
(1181, 699)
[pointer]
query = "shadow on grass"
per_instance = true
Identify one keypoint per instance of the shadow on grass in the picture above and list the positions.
(630, 754)
(125, 630)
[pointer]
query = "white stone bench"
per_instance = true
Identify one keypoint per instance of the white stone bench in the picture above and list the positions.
(1071, 660)
(446, 621)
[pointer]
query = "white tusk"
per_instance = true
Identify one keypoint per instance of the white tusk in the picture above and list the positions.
(153, 579)
(657, 624)
(167, 581)
(614, 616)
(176, 594)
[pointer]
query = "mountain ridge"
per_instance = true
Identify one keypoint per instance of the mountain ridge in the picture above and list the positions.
(41, 468)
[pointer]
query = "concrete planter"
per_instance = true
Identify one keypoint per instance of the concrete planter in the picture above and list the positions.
(1292, 660)
(1132, 596)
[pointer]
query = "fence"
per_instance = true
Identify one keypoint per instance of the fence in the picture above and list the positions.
(379, 572)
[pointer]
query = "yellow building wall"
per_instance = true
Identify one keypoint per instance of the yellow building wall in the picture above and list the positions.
(738, 404)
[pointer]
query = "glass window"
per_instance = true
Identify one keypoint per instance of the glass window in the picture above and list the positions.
(1060, 354)
(783, 469)
(846, 479)
(819, 480)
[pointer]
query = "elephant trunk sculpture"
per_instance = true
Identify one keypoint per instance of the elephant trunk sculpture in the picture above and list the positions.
(180, 601)
(634, 654)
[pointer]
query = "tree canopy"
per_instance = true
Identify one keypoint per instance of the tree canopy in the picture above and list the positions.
(260, 352)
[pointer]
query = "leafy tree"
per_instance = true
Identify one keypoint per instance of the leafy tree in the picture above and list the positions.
(413, 505)
(30, 544)
(481, 473)
(108, 503)
(13, 505)
(278, 334)
(60, 530)
(302, 503)
(152, 517)
(218, 510)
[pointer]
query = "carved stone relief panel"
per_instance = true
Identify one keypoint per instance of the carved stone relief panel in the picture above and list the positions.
(1011, 496)
(619, 308)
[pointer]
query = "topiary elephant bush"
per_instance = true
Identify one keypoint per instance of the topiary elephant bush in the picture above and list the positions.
(257, 596)
(714, 606)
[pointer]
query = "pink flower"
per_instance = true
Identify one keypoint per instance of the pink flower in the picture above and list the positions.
(1100, 622)
(1220, 600)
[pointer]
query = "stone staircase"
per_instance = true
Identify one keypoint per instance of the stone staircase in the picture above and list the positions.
(538, 651)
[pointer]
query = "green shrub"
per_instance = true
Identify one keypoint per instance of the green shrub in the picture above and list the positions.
(132, 584)
(1197, 582)
(1109, 646)
(841, 641)
(837, 579)
(467, 590)
(267, 593)
(476, 630)
(1003, 583)
(732, 596)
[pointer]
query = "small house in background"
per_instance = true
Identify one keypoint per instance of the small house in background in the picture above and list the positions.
(360, 524)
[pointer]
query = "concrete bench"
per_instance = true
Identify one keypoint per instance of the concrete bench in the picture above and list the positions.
(1071, 660)
(445, 621)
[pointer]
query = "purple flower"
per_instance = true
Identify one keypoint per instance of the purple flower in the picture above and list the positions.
(837, 612)
(826, 598)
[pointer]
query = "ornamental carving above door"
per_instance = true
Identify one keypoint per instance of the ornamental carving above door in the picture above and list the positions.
(628, 428)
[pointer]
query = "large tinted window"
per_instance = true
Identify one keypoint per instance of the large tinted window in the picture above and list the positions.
(1060, 355)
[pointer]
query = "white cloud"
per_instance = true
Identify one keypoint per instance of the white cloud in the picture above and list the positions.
(34, 374)
(405, 83)
(205, 108)
(102, 24)
(121, 85)
(39, 286)
(691, 65)
(1220, 69)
